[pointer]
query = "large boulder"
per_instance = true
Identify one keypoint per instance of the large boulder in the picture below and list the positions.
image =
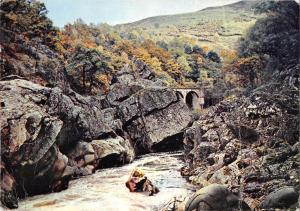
(113, 151)
(215, 197)
(154, 118)
(283, 198)
(84, 117)
(152, 115)
(45, 134)
(28, 138)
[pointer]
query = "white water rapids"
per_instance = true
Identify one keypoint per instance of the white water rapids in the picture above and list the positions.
(105, 190)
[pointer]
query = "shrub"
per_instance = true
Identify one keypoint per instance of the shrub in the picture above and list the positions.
(198, 50)
(188, 49)
(277, 35)
(213, 56)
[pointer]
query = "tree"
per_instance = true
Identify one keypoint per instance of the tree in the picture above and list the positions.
(249, 69)
(28, 18)
(188, 49)
(213, 56)
(198, 50)
(276, 35)
(184, 64)
(83, 68)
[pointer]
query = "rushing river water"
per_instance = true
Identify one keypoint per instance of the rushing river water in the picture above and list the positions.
(105, 190)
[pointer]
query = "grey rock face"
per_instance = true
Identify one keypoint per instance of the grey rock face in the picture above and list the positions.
(37, 124)
(249, 145)
(115, 150)
(28, 136)
(152, 115)
(51, 135)
(145, 102)
(35, 61)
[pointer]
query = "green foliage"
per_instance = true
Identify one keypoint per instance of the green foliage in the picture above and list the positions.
(198, 50)
(83, 68)
(184, 64)
(163, 45)
(213, 56)
(27, 17)
(277, 35)
(188, 49)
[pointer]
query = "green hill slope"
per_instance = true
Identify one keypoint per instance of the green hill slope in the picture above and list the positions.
(215, 27)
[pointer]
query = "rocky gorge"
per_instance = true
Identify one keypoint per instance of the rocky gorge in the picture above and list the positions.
(239, 154)
(49, 136)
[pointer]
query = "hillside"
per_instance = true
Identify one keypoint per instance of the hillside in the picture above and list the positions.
(216, 27)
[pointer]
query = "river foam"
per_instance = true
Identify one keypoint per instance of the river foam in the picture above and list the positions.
(105, 190)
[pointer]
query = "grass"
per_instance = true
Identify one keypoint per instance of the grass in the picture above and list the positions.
(217, 28)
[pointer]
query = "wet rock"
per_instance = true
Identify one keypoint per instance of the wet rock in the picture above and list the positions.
(215, 197)
(283, 198)
(68, 172)
(89, 159)
(112, 151)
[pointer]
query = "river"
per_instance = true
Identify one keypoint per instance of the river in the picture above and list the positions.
(105, 190)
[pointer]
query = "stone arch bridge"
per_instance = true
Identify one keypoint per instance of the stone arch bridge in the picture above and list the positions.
(193, 97)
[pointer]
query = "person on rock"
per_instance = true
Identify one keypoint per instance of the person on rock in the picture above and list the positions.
(138, 182)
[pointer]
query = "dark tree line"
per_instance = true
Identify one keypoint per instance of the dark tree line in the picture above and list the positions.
(275, 37)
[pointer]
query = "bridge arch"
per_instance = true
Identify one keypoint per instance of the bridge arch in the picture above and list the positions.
(191, 100)
(180, 95)
(192, 97)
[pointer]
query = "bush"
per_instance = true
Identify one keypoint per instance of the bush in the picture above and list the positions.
(277, 35)
(85, 68)
(188, 49)
(198, 50)
(27, 18)
(213, 56)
